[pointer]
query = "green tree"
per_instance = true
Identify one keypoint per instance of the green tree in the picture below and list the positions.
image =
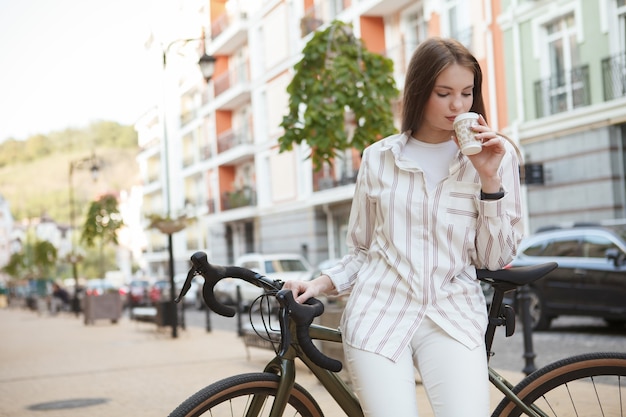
(102, 223)
(44, 258)
(338, 78)
(34, 261)
(16, 267)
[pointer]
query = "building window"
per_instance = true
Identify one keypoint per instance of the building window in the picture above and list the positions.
(457, 22)
(567, 87)
(416, 30)
(614, 66)
(621, 16)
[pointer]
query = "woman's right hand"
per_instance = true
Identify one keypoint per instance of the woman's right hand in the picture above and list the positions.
(303, 290)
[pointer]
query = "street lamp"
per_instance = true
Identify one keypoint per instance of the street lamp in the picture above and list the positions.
(91, 163)
(207, 67)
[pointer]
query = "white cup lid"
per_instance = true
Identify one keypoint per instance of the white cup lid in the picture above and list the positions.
(463, 116)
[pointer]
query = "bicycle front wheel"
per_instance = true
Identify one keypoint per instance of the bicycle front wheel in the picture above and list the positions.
(592, 384)
(233, 397)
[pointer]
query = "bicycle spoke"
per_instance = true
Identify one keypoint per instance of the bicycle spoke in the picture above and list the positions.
(580, 386)
(605, 398)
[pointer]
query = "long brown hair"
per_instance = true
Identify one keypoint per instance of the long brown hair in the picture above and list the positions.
(428, 61)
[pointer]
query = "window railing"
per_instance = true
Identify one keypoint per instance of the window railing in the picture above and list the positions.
(206, 152)
(243, 197)
(153, 177)
(188, 116)
(562, 92)
(188, 160)
(614, 76)
(311, 20)
(230, 139)
(230, 78)
(327, 182)
(219, 25)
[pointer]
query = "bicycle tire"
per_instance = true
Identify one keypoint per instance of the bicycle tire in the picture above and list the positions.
(231, 396)
(592, 384)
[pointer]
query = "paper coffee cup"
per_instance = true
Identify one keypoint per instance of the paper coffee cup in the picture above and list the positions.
(466, 136)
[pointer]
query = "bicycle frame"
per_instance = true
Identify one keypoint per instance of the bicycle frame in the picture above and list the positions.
(505, 387)
(283, 364)
(298, 332)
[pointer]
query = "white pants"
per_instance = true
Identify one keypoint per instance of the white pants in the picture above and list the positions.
(455, 378)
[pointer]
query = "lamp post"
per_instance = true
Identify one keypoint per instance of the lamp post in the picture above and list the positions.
(207, 67)
(91, 163)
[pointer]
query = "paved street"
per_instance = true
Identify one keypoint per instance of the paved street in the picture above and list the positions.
(55, 366)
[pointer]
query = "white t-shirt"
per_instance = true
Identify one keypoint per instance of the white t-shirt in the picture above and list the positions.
(433, 158)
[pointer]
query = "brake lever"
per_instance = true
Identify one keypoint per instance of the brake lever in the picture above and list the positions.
(187, 285)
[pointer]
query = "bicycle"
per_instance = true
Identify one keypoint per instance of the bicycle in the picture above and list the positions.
(565, 387)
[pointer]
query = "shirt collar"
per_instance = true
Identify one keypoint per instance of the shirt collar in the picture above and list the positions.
(396, 143)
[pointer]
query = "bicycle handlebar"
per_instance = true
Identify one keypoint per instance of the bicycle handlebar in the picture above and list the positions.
(302, 314)
(214, 273)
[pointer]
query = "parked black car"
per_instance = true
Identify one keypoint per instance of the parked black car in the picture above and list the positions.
(590, 279)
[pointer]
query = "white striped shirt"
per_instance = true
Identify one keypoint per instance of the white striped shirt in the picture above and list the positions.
(413, 252)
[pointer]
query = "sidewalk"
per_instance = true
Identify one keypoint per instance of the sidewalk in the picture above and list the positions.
(123, 369)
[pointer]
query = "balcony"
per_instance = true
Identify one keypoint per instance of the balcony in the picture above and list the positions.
(206, 152)
(232, 88)
(152, 177)
(311, 20)
(228, 32)
(231, 139)
(327, 182)
(562, 92)
(614, 76)
(244, 197)
(384, 7)
(188, 116)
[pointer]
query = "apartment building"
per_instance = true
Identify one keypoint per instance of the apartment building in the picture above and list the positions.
(566, 91)
(221, 158)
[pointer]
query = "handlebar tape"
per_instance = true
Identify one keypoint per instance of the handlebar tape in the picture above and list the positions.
(303, 315)
(212, 274)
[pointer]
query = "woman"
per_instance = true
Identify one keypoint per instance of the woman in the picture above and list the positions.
(423, 218)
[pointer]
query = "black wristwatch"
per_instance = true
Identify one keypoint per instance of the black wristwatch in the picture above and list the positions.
(492, 196)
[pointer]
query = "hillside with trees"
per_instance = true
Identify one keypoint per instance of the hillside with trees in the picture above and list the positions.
(34, 173)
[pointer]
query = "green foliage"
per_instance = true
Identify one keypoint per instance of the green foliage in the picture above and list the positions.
(97, 261)
(102, 222)
(44, 258)
(102, 134)
(16, 267)
(34, 172)
(336, 77)
(34, 261)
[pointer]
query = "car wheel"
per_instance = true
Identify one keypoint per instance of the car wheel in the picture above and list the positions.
(539, 319)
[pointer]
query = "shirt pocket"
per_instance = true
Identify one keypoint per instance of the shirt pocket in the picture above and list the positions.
(460, 204)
